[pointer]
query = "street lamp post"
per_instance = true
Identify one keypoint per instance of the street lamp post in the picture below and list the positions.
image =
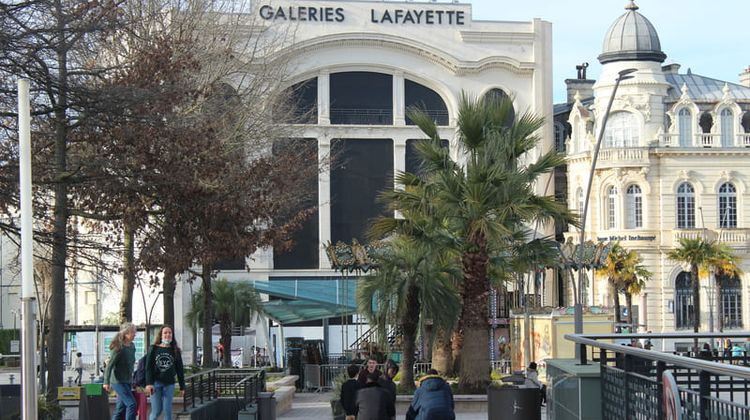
(580, 349)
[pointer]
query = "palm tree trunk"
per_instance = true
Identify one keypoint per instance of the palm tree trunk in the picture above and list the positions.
(128, 274)
(474, 374)
(720, 306)
(207, 316)
(696, 304)
(442, 354)
(629, 303)
(409, 324)
(616, 296)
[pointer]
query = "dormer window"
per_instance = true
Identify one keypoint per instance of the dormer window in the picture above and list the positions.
(726, 119)
(685, 121)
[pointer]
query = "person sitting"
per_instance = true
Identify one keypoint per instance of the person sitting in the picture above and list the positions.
(349, 392)
(373, 402)
(433, 400)
(532, 381)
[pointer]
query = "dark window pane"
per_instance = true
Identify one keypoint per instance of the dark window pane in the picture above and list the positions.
(361, 170)
(302, 107)
(233, 264)
(301, 249)
(426, 99)
(498, 94)
(361, 98)
(413, 160)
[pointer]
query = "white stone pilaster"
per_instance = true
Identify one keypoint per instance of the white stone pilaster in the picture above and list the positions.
(399, 112)
(324, 98)
(324, 199)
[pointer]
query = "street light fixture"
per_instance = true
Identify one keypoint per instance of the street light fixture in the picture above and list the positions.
(580, 349)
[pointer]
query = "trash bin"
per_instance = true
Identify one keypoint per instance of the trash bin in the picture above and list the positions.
(513, 403)
(266, 406)
(249, 413)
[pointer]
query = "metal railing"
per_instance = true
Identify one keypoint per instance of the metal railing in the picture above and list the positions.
(632, 379)
(205, 386)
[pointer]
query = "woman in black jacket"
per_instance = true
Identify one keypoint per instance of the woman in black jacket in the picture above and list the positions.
(164, 362)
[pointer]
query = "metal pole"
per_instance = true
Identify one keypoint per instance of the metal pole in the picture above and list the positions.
(578, 314)
(97, 317)
(28, 309)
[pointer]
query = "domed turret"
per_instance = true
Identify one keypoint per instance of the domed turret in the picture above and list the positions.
(631, 38)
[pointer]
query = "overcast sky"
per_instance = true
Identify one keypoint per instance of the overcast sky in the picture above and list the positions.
(712, 38)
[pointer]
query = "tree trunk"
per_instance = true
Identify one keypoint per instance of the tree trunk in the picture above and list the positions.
(696, 304)
(56, 309)
(442, 355)
(128, 274)
(629, 303)
(168, 288)
(409, 324)
(474, 374)
(616, 296)
(207, 316)
(225, 325)
(457, 345)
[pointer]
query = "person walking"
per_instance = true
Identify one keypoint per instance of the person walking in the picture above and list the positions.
(373, 401)
(433, 400)
(163, 363)
(532, 381)
(78, 365)
(119, 372)
(349, 392)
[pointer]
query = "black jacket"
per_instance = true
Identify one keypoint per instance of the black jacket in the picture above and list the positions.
(374, 403)
(349, 396)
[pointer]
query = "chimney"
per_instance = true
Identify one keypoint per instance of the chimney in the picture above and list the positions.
(745, 77)
(673, 68)
(584, 87)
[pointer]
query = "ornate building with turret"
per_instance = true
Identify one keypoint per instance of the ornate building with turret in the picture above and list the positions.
(673, 164)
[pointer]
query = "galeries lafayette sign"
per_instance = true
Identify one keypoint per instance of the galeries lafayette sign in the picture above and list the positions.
(394, 16)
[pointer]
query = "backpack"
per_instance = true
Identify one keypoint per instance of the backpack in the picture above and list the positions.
(139, 376)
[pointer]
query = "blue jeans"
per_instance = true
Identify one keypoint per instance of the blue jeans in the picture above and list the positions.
(162, 400)
(125, 402)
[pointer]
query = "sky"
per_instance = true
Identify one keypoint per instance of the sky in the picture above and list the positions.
(712, 38)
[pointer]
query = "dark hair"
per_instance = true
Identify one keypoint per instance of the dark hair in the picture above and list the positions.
(352, 370)
(173, 344)
(532, 365)
(372, 357)
(432, 372)
(79, 354)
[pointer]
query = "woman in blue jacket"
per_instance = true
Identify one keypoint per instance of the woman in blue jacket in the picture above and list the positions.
(433, 400)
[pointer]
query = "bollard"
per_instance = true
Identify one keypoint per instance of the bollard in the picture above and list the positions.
(12, 378)
(92, 378)
(70, 381)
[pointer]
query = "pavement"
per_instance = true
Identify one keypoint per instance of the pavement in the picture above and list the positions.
(313, 406)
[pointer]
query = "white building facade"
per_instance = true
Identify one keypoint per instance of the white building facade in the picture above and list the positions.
(357, 66)
(673, 164)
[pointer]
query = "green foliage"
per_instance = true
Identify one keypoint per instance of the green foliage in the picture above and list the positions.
(338, 381)
(238, 302)
(49, 410)
(5, 337)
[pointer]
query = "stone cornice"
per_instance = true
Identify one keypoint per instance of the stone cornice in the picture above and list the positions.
(450, 63)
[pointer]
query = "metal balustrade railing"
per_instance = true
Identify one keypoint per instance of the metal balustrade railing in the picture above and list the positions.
(709, 386)
(208, 385)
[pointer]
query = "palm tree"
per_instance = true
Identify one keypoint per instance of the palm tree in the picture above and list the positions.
(625, 274)
(412, 284)
(480, 202)
(700, 254)
(725, 265)
(234, 304)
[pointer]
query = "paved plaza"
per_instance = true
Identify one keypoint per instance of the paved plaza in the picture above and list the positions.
(309, 406)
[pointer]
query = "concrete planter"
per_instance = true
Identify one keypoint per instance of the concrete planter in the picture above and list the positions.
(513, 403)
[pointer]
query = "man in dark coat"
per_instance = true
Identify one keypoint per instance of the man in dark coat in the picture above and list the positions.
(349, 392)
(374, 402)
(433, 400)
(386, 380)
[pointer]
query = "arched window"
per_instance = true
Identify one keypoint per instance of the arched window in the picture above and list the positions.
(611, 207)
(727, 205)
(361, 98)
(622, 130)
(731, 301)
(426, 99)
(579, 197)
(559, 137)
(726, 119)
(498, 94)
(634, 207)
(302, 104)
(685, 206)
(685, 121)
(683, 302)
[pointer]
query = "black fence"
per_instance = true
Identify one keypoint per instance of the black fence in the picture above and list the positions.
(243, 385)
(698, 385)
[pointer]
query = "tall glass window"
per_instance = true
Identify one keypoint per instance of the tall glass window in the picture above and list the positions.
(683, 302)
(727, 205)
(731, 301)
(726, 119)
(634, 207)
(611, 207)
(559, 137)
(426, 99)
(579, 197)
(685, 121)
(685, 206)
(622, 130)
(363, 98)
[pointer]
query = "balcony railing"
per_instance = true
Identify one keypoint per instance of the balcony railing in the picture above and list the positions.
(361, 116)
(619, 157)
(704, 140)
